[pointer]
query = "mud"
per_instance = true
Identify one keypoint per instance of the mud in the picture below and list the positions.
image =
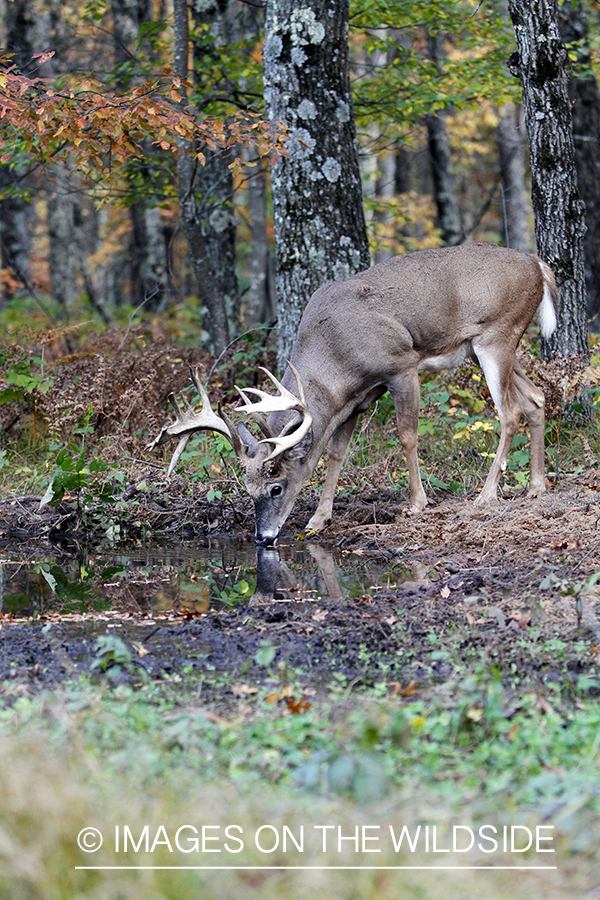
(509, 584)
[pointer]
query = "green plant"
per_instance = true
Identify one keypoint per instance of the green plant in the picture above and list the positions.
(114, 657)
(21, 376)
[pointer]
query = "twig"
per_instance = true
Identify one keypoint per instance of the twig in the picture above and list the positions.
(267, 328)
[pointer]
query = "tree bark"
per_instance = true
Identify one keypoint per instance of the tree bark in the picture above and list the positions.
(149, 262)
(557, 206)
(215, 321)
(16, 210)
(16, 218)
(510, 137)
(320, 232)
(440, 155)
(585, 106)
(61, 233)
(214, 181)
(261, 305)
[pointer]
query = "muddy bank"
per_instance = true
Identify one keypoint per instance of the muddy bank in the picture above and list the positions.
(510, 584)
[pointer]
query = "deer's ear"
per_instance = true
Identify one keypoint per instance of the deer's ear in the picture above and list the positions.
(249, 442)
(300, 450)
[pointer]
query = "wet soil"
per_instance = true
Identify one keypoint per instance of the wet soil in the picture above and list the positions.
(509, 584)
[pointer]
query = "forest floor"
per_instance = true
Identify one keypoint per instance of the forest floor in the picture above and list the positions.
(511, 583)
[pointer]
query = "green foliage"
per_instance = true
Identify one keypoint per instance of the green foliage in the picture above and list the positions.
(21, 379)
(401, 83)
(114, 657)
(73, 595)
(76, 474)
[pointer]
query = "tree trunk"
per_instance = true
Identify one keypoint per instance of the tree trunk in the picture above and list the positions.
(441, 161)
(61, 233)
(149, 262)
(585, 107)
(261, 306)
(320, 232)
(16, 211)
(557, 206)
(214, 181)
(16, 217)
(510, 137)
(215, 321)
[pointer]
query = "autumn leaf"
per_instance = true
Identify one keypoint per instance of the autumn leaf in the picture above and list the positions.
(281, 695)
(298, 706)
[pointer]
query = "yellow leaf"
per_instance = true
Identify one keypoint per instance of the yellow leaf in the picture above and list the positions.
(286, 692)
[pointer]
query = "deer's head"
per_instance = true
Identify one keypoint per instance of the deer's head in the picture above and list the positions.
(275, 465)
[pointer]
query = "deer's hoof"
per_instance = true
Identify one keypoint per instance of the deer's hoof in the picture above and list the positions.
(483, 498)
(316, 525)
(536, 491)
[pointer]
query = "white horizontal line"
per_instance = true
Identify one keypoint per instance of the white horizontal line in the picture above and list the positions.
(320, 868)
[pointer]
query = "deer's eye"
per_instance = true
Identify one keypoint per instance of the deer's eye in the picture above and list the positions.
(276, 490)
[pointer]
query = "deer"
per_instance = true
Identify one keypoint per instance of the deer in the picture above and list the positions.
(422, 311)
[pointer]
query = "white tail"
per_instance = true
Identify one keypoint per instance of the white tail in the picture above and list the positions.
(546, 311)
(421, 311)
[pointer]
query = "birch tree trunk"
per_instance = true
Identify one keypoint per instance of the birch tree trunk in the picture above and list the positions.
(320, 232)
(557, 206)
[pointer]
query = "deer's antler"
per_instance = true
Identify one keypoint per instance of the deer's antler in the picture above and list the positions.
(189, 421)
(295, 430)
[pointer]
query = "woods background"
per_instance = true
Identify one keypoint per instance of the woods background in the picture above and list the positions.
(214, 162)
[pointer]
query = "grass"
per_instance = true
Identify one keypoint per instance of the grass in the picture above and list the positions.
(462, 753)
(475, 749)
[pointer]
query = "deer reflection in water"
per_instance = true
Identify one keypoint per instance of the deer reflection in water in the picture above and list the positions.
(275, 580)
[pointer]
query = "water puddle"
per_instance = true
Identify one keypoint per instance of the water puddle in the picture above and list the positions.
(189, 579)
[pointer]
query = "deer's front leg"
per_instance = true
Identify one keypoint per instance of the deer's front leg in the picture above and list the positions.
(406, 394)
(337, 451)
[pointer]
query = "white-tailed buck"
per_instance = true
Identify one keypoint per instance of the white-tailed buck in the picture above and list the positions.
(422, 311)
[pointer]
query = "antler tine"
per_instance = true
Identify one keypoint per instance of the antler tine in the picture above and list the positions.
(260, 420)
(178, 451)
(188, 422)
(286, 441)
(269, 403)
(295, 430)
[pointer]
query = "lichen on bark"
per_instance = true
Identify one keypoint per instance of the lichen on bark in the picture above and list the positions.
(320, 231)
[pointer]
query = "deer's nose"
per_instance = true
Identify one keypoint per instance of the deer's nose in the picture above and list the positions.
(265, 540)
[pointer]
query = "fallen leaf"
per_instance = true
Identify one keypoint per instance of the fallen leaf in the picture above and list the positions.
(522, 618)
(239, 689)
(399, 691)
(298, 706)
(273, 698)
(511, 732)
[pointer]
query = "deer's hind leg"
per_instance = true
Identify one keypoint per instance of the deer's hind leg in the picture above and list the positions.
(500, 378)
(532, 402)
